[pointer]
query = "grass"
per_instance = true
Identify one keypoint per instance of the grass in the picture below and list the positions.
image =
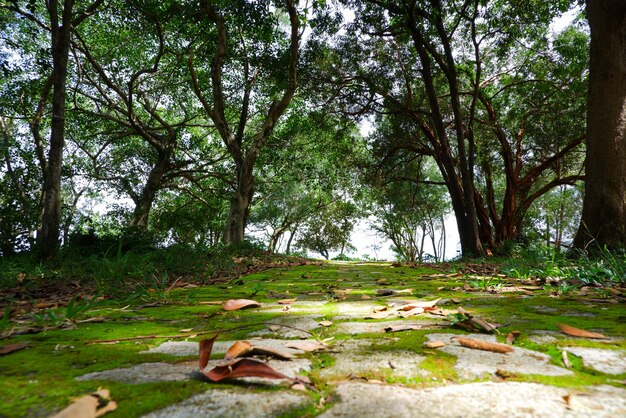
(41, 379)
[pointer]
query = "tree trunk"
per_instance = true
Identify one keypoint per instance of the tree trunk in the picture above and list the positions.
(604, 207)
(51, 211)
(149, 192)
(239, 206)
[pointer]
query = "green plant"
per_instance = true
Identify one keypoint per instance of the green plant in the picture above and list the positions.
(487, 283)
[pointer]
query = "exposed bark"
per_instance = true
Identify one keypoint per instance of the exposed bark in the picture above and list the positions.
(604, 208)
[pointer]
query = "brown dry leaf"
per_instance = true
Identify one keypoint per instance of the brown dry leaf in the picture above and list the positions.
(380, 308)
(378, 315)
(238, 349)
(577, 332)
(299, 386)
(206, 346)
(419, 304)
(434, 344)
(11, 348)
(243, 368)
(93, 405)
(234, 304)
(286, 301)
(258, 350)
(411, 312)
(326, 323)
(484, 345)
(307, 345)
(512, 336)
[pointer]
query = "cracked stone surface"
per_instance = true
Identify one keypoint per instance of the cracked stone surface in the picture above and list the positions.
(473, 363)
(379, 327)
(479, 400)
(602, 360)
(234, 404)
(162, 372)
(543, 337)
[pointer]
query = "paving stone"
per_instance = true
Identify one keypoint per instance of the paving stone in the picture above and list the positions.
(290, 326)
(352, 310)
(473, 363)
(602, 360)
(476, 400)
(234, 404)
(397, 363)
(379, 327)
(298, 307)
(162, 372)
(544, 337)
(186, 348)
(544, 309)
(145, 372)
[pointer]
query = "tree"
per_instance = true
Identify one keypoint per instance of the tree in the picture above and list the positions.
(462, 109)
(246, 102)
(604, 209)
(62, 18)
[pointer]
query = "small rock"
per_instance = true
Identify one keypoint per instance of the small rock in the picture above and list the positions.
(602, 360)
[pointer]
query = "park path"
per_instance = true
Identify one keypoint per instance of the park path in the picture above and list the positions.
(380, 341)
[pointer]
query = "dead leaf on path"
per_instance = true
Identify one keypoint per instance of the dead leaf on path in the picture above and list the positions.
(405, 291)
(238, 349)
(434, 344)
(411, 312)
(243, 368)
(299, 386)
(286, 301)
(306, 345)
(235, 304)
(378, 315)
(206, 346)
(484, 345)
(94, 405)
(577, 332)
(419, 304)
(11, 348)
(512, 336)
(325, 323)
(380, 308)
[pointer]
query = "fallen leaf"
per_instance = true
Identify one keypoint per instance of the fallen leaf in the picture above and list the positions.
(577, 332)
(434, 344)
(512, 336)
(414, 311)
(206, 346)
(93, 405)
(378, 315)
(235, 304)
(382, 281)
(11, 348)
(238, 349)
(504, 374)
(258, 350)
(484, 345)
(306, 345)
(326, 323)
(419, 304)
(380, 308)
(286, 301)
(243, 368)
(299, 386)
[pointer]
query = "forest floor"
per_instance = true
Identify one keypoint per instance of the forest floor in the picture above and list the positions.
(340, 340)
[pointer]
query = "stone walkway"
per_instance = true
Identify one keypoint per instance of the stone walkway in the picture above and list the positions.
(366, 372)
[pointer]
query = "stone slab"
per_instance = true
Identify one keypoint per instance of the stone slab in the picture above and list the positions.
(234, 404)
(163, 372)
(397, 363)
(476, 400)
(290, 326)
(473, 363)
(602, 360)
(372, 327)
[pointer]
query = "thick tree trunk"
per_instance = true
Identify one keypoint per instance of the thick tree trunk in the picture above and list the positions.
(604, 208)
(48, 238)
(149, 192)
(240, 206)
